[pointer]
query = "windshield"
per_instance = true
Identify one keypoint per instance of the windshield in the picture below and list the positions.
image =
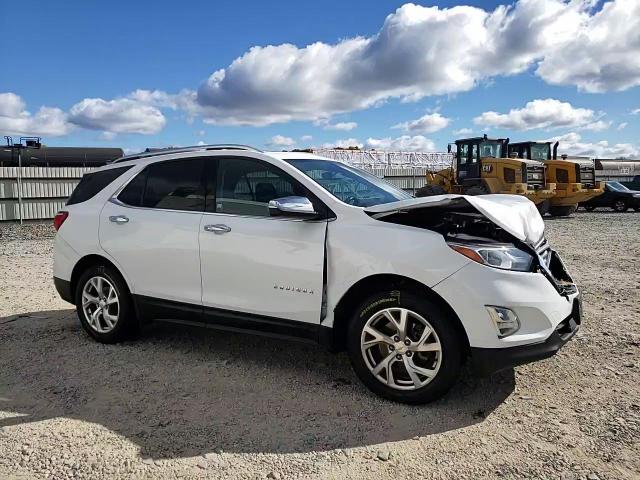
(617, 186)
(490, 149)
(540, 152)
(351, 185)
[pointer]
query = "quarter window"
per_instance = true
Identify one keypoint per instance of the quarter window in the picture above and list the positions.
(246, 186)
(92, 183)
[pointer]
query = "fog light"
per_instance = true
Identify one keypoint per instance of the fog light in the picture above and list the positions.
(505, 320)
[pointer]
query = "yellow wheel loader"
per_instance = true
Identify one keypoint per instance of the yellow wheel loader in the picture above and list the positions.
(481, 167)
(575, 180)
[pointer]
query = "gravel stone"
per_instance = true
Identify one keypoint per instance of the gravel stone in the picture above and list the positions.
(176, 399)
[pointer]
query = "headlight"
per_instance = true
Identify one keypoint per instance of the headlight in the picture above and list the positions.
(504, 256)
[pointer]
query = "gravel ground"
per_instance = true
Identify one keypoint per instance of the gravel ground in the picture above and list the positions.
(188, 403)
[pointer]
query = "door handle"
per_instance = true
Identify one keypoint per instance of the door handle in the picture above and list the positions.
(217, 229)
(119, 219)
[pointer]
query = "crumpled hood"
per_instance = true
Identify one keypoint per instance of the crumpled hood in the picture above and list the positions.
(514, 213)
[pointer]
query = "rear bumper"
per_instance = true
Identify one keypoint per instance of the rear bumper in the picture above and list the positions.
(64, 289)
(490, 360)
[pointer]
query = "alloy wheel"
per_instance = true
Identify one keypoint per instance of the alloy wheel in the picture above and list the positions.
(401, 348)
(100, 304)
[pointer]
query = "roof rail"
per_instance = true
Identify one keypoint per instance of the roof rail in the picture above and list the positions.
(194, 148)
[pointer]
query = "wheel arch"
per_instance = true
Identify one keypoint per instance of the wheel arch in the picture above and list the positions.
(384, 282)
(88, 261)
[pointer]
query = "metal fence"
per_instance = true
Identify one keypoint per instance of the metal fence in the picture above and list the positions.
(34, 193)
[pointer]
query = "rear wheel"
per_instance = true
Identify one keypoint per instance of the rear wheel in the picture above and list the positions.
(430, 190)
(404, 347)
(620, 206)
(562, 210)
(589, 208)
(104, 304)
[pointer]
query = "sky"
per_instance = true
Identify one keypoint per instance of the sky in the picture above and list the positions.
(291, 74)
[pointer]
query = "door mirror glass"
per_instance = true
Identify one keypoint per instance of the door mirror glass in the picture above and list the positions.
(292, 207)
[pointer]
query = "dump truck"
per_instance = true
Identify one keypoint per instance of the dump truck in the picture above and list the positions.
(481, 166)
(575, 179)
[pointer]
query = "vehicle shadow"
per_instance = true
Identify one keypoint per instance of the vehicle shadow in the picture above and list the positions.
(179, 392)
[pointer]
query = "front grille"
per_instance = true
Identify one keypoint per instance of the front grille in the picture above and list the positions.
(535, 177)
(587, 177)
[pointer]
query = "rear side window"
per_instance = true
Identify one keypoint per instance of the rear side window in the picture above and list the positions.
(92, 183)
(170, 185)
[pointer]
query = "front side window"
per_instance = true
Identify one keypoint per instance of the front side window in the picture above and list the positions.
(463, 153)
(169, 185)
(246, 186)
(351, 185)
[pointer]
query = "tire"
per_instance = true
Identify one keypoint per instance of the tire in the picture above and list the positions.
(543, 207)
(589, 208)
(444, 364)
(430, 190)
(105, 329)
(562, 211)
(620, 206)
(477, 190)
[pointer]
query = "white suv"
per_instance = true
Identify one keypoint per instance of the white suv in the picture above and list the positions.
(294, 245)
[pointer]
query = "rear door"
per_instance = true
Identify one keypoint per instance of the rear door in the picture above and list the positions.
(268, 267)
(151, 231)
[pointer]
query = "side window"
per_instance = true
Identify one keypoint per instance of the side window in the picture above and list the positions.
(463, 153)
(92, 183)
(474, 153)
(171, 185)
(246, 186)
(132, 193)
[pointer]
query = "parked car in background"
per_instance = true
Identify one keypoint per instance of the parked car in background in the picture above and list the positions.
(634, 184)
(293, 245)
(615, 196)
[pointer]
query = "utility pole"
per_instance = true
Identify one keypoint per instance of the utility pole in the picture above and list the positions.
(25, 142)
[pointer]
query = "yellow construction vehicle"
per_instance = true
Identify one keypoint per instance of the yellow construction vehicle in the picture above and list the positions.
(575, 180)
(481, 166)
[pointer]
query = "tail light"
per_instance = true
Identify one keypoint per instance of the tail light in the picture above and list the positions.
(59, 219)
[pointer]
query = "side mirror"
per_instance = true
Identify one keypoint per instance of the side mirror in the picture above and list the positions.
(292, 207)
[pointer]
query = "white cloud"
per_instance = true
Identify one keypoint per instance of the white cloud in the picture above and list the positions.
(281, 141)
(601, 53)
(15, 119)
(426, 124)
(344, 143)
(463, 131)
(542, 113)
(344, 126)
(572, 144)
(622, 126)
(421, 51)
(306, 138)
(121, 115)
(417, 143)
(635, 112)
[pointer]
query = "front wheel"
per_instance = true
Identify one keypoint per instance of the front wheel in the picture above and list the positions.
(104, 304)
(404, 347)
(620, 206)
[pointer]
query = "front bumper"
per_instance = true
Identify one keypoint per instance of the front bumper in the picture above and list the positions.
(490, 360)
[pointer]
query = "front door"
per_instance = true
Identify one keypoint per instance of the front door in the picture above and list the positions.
(151, 231)
(265, 268)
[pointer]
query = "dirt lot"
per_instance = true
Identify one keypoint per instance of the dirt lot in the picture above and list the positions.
(188, 403)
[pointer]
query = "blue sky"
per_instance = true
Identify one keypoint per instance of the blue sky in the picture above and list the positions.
(82, 61)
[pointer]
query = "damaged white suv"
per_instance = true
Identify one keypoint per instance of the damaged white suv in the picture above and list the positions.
(294, 245)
